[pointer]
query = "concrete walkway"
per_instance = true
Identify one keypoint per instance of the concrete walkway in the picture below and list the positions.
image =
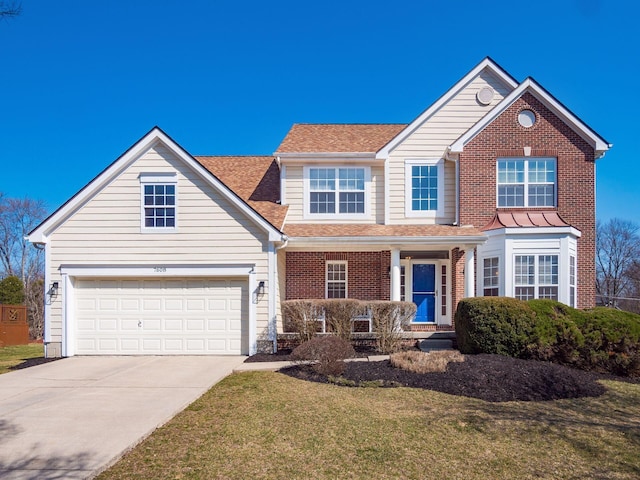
(72, 418)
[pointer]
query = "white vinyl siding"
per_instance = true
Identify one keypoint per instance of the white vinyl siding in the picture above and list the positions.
(296, 201)
(106, 230)
(431, 139)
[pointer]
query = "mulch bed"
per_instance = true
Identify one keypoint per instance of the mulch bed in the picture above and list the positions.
(32, 362)
(493, 378)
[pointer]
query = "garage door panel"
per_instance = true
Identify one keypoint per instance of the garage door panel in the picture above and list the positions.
(163, 316)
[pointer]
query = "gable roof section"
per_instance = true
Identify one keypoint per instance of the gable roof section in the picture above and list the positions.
(153, 137)
(255, 179)
(599, 144)
(338, 138)
(486, 64)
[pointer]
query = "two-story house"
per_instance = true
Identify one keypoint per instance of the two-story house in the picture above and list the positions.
(490, 191)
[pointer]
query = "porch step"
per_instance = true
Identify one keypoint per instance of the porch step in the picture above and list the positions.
(430, 344)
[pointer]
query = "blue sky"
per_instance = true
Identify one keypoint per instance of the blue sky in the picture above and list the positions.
(81, 81)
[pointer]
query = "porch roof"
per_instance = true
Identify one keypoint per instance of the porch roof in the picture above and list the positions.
(428, 233)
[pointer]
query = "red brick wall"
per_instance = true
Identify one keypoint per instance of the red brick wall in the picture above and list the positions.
(575, 169)
(367, 274)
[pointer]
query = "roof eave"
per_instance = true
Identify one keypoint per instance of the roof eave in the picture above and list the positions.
(453, 240)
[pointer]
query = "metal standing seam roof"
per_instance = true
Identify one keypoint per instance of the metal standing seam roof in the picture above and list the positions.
(514, 219)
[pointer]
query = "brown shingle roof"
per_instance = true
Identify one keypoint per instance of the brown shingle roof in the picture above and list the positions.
(335, 138)
(507, 219)
(375, 230)
(255, 179)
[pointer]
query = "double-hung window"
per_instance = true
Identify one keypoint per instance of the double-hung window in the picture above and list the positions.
(424, 191)
(337, 191)
(529, 182)
(536, 276)
(159, 194)
(491, 277)
(337, 279)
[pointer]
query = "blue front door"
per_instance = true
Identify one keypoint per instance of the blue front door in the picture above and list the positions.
(424, 291)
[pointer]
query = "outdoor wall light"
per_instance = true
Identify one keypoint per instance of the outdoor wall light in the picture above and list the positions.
(53, 289)
(261, 288)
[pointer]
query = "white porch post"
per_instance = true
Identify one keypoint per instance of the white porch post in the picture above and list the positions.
(395, 274)
(469, 272)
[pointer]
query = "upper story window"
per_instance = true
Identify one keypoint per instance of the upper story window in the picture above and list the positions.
(337, 191)
(424, 190)
(159, 194)
(527, 182)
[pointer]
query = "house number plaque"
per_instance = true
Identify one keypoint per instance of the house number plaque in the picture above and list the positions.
(159, 269)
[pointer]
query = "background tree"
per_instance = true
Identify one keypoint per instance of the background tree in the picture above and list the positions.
(18, 216)
(11, 291)
(617, 254)
(10, 9)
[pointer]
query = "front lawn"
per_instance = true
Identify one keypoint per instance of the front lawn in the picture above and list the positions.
(15, 355)
(269, 425)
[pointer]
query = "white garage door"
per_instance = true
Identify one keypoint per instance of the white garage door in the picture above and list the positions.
(190, 316)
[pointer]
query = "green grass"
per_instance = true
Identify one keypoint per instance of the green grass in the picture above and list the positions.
(267, 425)
(16, 354)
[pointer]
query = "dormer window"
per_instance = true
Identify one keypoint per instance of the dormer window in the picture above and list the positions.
(527, 182)
(336, 191)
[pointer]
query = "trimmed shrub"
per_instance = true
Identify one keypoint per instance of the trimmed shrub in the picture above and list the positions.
(494, 325)
(389, 319)
(11, 291)
(328, 352)
(301, 317)
(611, 341)
(556, 336)
(338, 315)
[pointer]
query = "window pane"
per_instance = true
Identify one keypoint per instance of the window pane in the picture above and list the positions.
(336, 280)
(424, 187)
(351, 178)
(525, 293)
(511, 196)
(548, 269)
(159, 195)
(550, 293)
(525, 270)
(351, 202)
(541, 196)
(491, 272)
(322, 203)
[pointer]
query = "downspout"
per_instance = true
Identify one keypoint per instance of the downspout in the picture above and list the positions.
(272, 294)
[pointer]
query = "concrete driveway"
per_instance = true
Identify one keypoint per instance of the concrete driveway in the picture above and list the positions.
(74, 417)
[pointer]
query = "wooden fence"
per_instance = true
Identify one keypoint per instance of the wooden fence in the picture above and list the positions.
(14, 329)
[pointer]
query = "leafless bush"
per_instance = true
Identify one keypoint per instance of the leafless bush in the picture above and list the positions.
(422, 362)
(339, 313)
(327, 352)
(302, 317)
(389, 321)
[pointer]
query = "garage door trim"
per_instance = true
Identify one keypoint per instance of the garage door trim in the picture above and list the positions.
(70, 272)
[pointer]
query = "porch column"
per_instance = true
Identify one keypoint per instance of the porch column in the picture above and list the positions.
(469, 272)
(395, 274)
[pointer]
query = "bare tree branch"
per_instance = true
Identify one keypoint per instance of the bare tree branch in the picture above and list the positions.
(10, 9)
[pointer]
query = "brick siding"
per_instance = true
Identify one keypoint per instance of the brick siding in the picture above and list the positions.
(549, 136)
(367, 274)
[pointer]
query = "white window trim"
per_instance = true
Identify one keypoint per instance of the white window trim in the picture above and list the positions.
(536, 269)
(484, 287)
(337, 216)
(408, 204)
(526, 182)
(346, 276)
(165, 178)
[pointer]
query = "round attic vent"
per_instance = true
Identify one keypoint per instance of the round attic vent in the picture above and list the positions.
(485, 95)
(526, 118)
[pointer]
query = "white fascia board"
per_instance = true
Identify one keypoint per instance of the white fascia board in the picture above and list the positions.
(158, 270)
(530, 85)
(487, 63)
(156, 135)
(451, 241)
(326, 157)
(535, 231)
